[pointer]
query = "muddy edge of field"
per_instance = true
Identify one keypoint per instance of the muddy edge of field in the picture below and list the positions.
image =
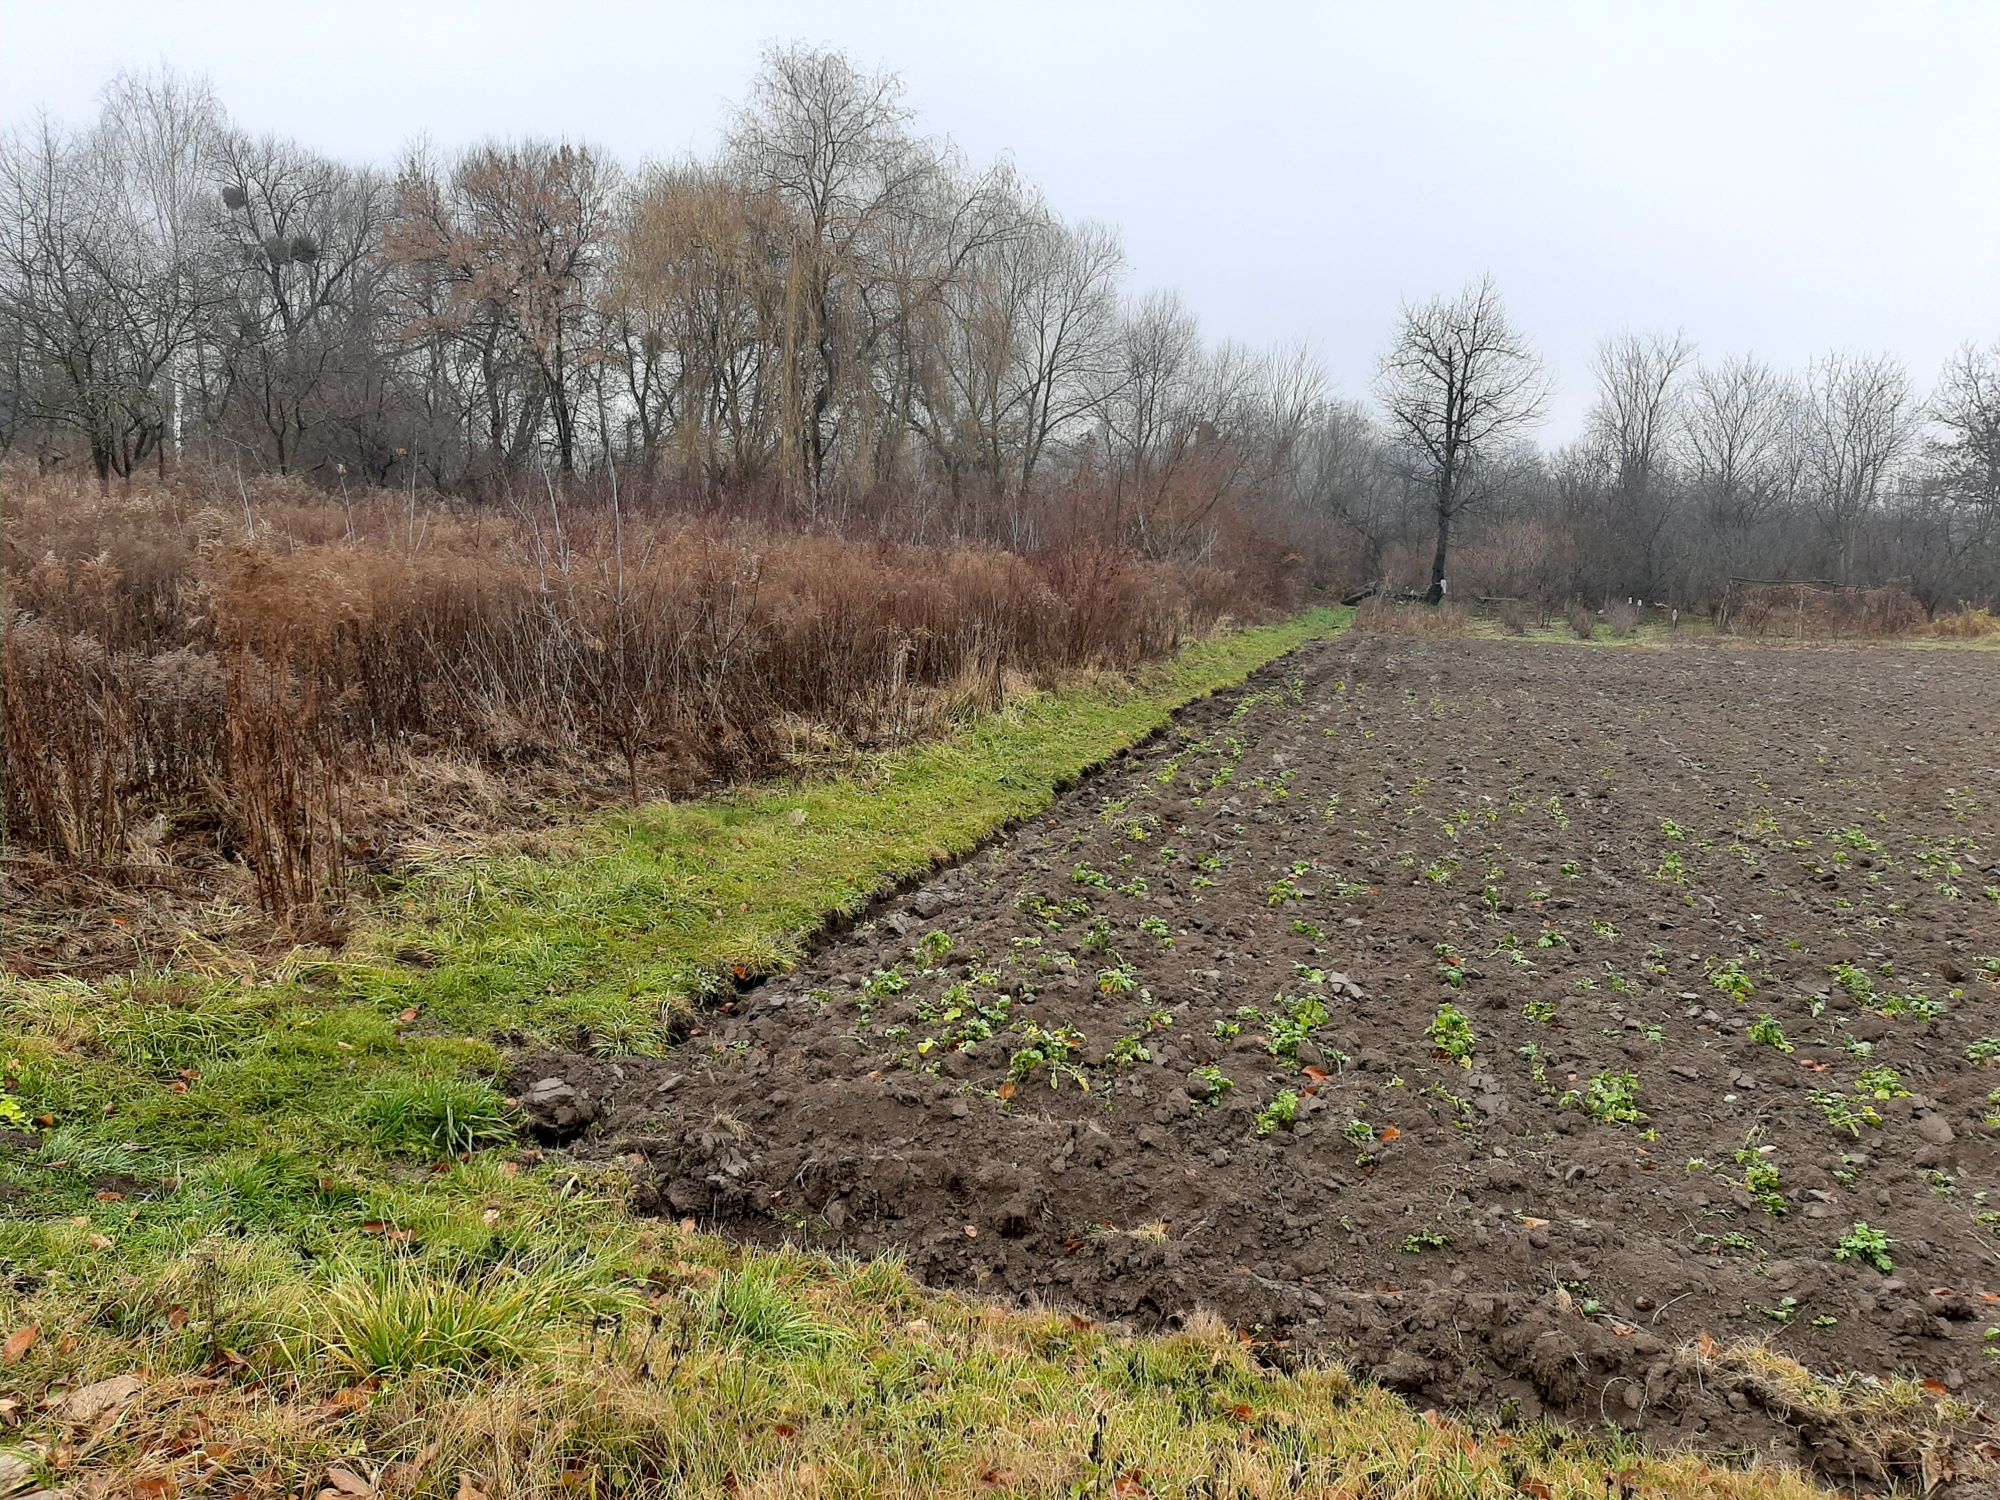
(1507, 1021)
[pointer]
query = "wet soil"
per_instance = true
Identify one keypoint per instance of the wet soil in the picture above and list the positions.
(1184, 1042)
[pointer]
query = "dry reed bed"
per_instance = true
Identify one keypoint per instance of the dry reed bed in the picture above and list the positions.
(200, 679)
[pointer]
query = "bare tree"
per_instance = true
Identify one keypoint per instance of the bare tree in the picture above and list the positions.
(103, 275)
(1637, 424)
(1741, 424)
(300, 235)
(1860, 417)
(833, 144)
(1458, 383)
(1964, 483)
(504, 251)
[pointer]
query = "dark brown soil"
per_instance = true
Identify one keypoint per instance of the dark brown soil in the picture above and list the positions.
(1580, 849)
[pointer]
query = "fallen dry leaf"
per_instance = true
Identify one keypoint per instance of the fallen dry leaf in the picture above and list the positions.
(87, 1403)
(347, 1482)
(19, 1342)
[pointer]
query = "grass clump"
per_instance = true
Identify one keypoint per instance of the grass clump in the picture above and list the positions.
(752, 1310)
(401, 1318)
(437, 1117)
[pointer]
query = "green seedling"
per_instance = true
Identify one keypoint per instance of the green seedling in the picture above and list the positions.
(1280, 1114)
(1868, 1245)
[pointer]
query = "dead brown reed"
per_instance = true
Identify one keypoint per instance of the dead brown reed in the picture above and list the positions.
(1814, 611)
(1381, 617)
(196, 675)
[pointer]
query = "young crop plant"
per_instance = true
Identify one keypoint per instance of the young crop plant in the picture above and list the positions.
(1982, 1052)
(932, 949)
(891, 981)
(1923, 1007)
(1361, 1136)
(1283, 890)
(1052, 1049)
(1452, 1035)
(1611, 1097)
(1882, 1083)
(1845, 1112)
(1451, 968)
(1732, 980)
(1425, 1239)
(1099, 937)
(1214, 1080)
(1280, 1114)
(1868, 1245)
(1761, 1179)
(1766, 1029)
(1126, 1051)
(1119, 979)
(1301, 1017)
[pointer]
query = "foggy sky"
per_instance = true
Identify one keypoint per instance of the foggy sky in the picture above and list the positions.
(1778, 178)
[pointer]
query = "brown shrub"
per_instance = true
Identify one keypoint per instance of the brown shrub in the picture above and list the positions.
(1966, 623)
(1582, 621)
(213, 674)
(1381, 617)
(1621, 617)
(1807, 610)
(1514, 616)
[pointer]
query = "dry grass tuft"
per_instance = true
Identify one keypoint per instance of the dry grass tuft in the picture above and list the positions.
(1808, 611)
(1380, 617)
(1966, 623)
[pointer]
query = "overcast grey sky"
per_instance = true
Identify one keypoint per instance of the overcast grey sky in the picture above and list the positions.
(1776, 177)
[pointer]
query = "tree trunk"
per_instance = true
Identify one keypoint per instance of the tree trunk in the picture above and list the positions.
(1436, 593)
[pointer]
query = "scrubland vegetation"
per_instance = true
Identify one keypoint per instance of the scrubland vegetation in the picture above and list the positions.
(312, 690)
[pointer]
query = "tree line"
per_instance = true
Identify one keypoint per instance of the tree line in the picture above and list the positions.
(838, 319)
